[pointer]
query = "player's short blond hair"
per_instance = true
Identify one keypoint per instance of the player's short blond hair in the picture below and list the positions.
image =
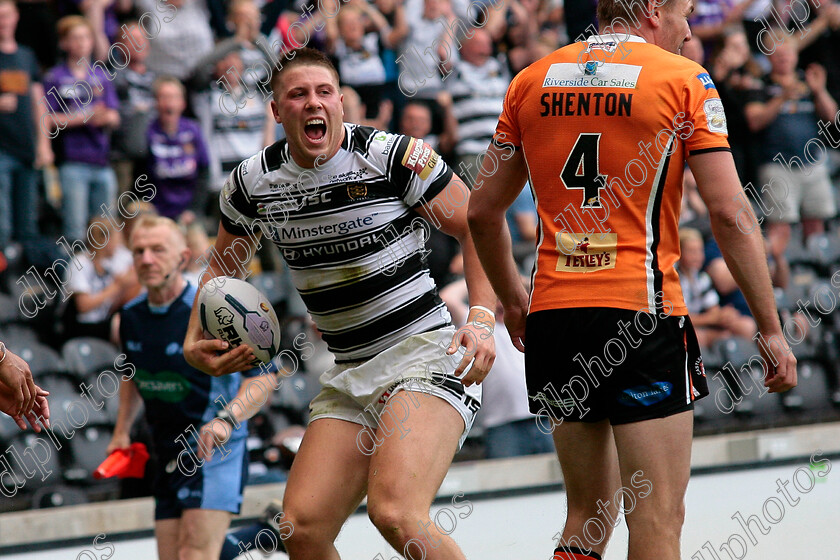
(301, 57)
(611, 11)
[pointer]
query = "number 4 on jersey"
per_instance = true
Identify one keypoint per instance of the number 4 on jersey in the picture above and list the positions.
(582, 171)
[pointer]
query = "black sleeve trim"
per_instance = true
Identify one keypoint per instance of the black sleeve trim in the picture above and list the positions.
(237, 178)
(708, 150)
(233, 227)
(435, 188)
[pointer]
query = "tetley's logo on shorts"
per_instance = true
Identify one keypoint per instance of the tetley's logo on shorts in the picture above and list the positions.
(646, 395)
(592, 252)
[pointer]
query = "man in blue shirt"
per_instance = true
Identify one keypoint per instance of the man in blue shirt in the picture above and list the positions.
(196, 489)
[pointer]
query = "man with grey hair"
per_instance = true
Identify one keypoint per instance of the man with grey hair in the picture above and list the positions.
(196, 488)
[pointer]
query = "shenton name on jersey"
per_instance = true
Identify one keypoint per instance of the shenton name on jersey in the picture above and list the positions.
(592, 75)
(575, 104)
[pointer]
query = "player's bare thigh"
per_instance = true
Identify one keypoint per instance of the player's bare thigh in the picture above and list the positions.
(589, 462)
(655, 461)
(407, 469)
(328, 479)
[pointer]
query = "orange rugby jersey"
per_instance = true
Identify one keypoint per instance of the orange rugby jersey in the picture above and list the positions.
(605, 128)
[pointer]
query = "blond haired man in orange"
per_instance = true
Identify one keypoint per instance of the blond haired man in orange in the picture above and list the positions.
(601, 129)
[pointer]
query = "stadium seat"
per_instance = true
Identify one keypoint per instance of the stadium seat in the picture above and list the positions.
(810, 346)
(822, 298)
(41, 359)
(738, 352)
(8, 428)
(293, 395)
(86, 355)
(708, 417)
(13, 255)
(57, 496)
(87, 449)
(712, 358)
(9, 311)
(783, 301)
(28, 446)
(15, 335)
(758, 405)
(800, 285)
(796, 252)
(823, 249)
(112, 404)
(68, 408)
(809, 396)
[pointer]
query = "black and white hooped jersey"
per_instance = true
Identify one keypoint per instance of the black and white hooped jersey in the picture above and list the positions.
(349, 233)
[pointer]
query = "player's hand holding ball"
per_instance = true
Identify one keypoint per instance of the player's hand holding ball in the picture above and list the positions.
(238, 328)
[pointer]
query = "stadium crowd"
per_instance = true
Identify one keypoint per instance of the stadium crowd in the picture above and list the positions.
(105, 101)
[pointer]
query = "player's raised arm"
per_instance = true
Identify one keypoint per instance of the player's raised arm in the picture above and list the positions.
(204, 354)
(493, 194)
(476, 334)
(742, 246)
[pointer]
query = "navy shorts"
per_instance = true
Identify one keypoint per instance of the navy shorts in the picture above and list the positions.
(217, 484)
(591, 364)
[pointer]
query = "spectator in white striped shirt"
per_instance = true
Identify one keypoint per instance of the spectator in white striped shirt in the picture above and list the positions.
(478, 83)
(183, 39)
(711, 321)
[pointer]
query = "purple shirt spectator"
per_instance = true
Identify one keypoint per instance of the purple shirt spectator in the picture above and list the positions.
(174, 165)
(710, 12)
(83, 144)
(110, 24)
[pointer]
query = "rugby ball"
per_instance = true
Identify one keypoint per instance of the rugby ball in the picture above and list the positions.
(236, 311)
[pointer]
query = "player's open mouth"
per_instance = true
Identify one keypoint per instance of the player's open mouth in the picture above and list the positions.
(315, 129)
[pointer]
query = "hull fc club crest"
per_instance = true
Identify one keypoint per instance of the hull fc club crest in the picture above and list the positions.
(356, 191)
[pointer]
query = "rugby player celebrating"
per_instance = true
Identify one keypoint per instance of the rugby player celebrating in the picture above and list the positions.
(342, 202)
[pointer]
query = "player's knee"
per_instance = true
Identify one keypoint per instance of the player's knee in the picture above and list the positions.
(304, 525)
(187, 537)
(664, 519)
(309, 527)
(187, 552)
(392, 519)
(190, 546)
